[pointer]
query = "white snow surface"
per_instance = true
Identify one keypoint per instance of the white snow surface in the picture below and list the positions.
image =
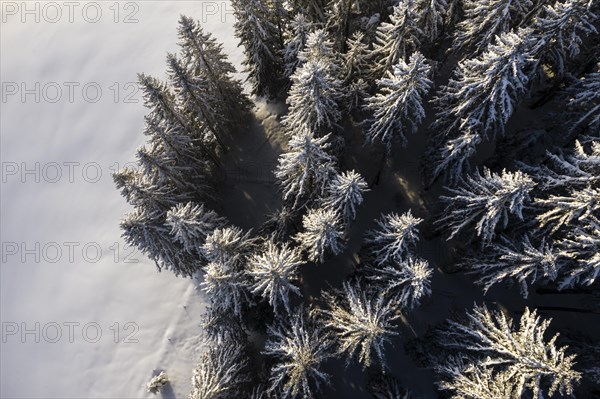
(57, 289)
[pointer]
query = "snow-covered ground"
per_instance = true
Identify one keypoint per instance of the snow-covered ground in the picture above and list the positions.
(72, 143)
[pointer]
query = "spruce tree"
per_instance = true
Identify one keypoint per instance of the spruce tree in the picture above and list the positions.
(191, 223)
(398, 104)
(485, 91)
(196, 102)
(166, 121)
(260, 39)
(485, 201)
(581, 249)
(313, 99)
(583, 102)
(322, 235)
(305, 169)
(406, 282)
(477, 382)
(486, 19)
(576, 207)
(339, 20)
(299, 349)
(398, 39)
(204, 56)
(533, 362)
(275, 274)
(299, 29)
(221, 372)
(393, 238)
(360, 323)
(344, 194)
(147, 231)
(431, 14)
(452, 158)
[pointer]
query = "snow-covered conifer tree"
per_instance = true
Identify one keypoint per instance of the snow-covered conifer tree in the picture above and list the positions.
(260, 39)
(361, 323)
(559, 27)
(279, 16)
(305, 170)
(147, 232)
(205, 57)
(355, 70)
(369, 24)
(521, 350)
(432, 14)
(227, 245)
(339, 20)
(299, 350)
(582, 249)
(278, 223)
(394, 236)
(259, 392)
(523, 263)
(406, 282)
(197, 103)
(485, 90)
(300, 27)
(221, 324)
(398, 104)
(486, 201)
(275, 273)
(396, 40)
(180, 150)
(167, 122)
(159, 100)
(485, 19)
(225, 279)
(225, 285)
(160, 166)
(356, 59)
(323, 233)
(220, 373)
(452, 159)
(191, 223)
(313, 98)
(584, 102)
(319, 47)
(344, 194)
(153, 162)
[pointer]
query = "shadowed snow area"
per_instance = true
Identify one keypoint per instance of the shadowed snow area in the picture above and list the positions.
(84, 208)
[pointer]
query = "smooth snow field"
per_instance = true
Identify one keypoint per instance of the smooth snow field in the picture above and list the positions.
(82, 315)
(85, 316)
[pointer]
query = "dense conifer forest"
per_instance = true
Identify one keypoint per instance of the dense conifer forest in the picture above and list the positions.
(401, 201)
